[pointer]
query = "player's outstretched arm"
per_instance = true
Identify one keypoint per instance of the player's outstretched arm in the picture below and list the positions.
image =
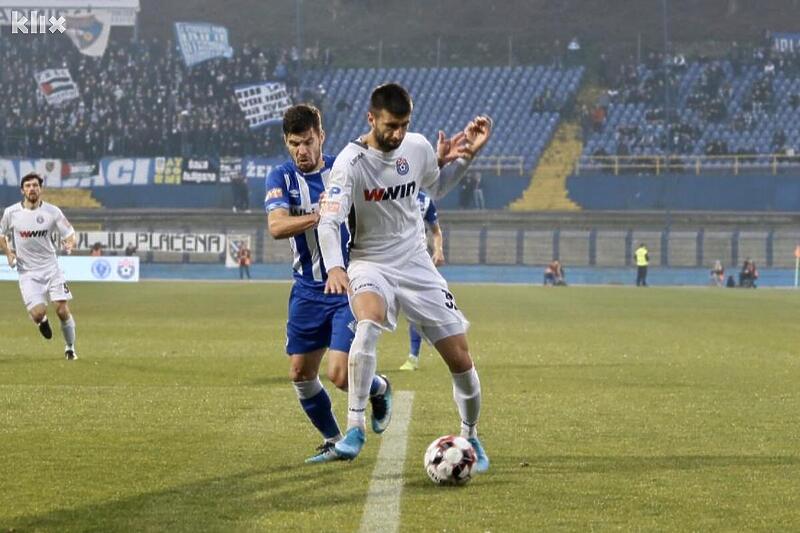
(438, 245)
(11, 257)
(333, 209)
(282, 225)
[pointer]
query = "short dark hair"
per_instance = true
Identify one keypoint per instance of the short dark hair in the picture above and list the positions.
(31, 176)
(393, 98)
(300, 118)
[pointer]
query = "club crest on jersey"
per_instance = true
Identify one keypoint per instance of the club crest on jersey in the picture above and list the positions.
(390, 193)
(40, 219)
(402, 166)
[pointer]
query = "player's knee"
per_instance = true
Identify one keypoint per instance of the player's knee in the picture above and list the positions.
(299, 373)
(63, 312)
(38, 313)
(455, 352)
(338, 377)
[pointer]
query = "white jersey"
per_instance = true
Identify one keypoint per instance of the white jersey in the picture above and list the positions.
(31, 232)
(376, 192)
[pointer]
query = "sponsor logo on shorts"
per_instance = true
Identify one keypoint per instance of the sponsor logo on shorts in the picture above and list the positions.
(402, 166)
(126, 268)
(27, 234)
(101, 268)
(390, 193)
(365, 285)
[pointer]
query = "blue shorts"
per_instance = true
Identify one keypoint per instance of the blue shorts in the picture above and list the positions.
(317, 321)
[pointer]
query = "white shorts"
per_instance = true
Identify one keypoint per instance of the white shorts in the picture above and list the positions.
(39, 288)
(417, 289)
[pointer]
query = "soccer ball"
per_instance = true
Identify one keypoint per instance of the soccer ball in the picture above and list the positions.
(449, 460)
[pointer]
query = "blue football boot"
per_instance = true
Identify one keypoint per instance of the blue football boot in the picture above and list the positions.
(482, 465)
(325, 453)
(350, 446)
(381, 408)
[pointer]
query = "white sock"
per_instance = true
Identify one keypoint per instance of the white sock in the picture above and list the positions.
(467, 394)
(68, 330)
(361, 366)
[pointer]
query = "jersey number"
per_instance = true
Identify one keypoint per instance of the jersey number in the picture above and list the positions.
(449, 301)
(66, 289)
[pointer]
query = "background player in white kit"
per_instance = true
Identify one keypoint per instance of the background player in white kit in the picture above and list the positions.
(31, 224)
(374, 184)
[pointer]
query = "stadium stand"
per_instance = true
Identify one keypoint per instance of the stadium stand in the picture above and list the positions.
(140, 100)
(722, 115)
(525, 102)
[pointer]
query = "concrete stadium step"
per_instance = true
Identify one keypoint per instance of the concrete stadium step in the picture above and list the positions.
(72, 198)
(547, 191)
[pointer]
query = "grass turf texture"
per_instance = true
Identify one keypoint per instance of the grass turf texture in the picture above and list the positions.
(604, 408)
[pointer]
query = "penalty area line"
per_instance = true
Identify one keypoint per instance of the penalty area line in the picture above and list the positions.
(382, 510)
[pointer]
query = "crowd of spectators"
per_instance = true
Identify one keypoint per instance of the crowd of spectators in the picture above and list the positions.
(139, 99)
(678, 105)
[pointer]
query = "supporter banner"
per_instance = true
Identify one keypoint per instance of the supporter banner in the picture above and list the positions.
(200, 41)
(199, 171)
(89, 33)
(234, 244)
(262, 103)
(786, 42)
(110, 172)
(229, 168)
(124, 269)
(167, 170)
(56, 85)
(257, 167)
(145, 241)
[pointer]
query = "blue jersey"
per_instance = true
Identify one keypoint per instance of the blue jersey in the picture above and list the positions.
(290, 189)
(427, 209)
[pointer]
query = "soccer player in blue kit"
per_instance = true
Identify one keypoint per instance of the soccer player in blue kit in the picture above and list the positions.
(427, 209)
(317, 321)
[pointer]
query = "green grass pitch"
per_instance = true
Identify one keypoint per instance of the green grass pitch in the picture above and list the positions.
(604, 409)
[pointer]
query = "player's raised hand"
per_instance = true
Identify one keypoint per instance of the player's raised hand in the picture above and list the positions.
(477, 133)
(448, 150)
(338, 281)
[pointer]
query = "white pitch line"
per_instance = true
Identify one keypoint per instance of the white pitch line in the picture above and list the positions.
(382, 510)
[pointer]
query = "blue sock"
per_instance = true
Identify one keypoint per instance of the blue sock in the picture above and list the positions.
(416, 340)
(378, 386)
(318, 407)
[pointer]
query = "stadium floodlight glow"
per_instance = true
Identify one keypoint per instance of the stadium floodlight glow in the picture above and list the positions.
(38, 23)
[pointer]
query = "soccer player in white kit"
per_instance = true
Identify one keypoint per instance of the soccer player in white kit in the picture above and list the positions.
(31, 224)
(373, 184)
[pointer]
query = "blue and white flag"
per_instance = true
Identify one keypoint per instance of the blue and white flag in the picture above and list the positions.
(89, 32)
(262, 103)
(56, 85)
(200, 41)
